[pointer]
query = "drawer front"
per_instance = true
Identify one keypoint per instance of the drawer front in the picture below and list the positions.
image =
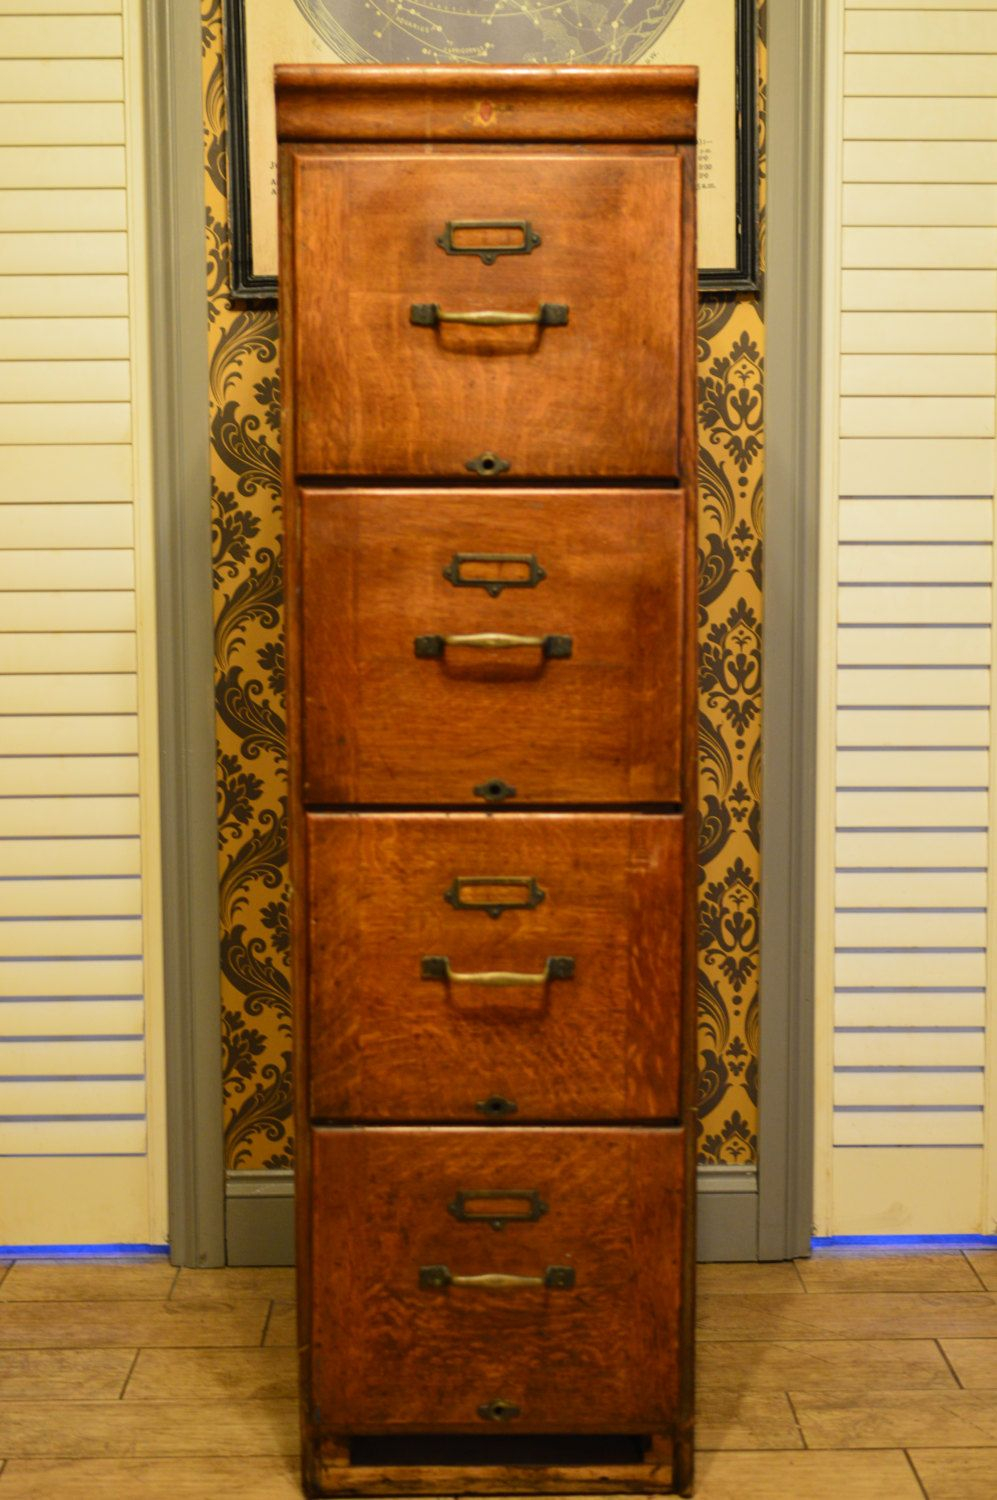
(579, 916)
(398, 1338)
(383, 389)
(400, 706)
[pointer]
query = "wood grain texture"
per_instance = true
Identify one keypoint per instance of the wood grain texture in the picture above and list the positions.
(808, 1476)
(521, 103)
(166, 1429)
(384, 726)
(390, 1355)
(190, 1478)
(213, 1375)
(875, 1315)
(897, 1419)
(388, 1045)
(82, 1281)
(378, 395)
(64, 1374)
(888, 1273)
(75, 1325)
(956, 1474)
(854, 1365)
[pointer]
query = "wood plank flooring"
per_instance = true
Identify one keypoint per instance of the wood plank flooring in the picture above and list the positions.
(869, 1375)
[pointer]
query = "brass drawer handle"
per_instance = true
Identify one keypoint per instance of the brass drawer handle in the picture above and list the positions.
(554, 647)
(548, 315)
(555, 1278)
(439, 968)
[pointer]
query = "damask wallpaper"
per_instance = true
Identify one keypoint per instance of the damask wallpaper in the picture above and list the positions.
(256, 1002)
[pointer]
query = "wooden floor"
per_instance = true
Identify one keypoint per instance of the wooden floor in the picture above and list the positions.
(871, 1378)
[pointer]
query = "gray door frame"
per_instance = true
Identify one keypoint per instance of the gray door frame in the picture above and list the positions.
(789, 685)
(182, 503)
(743, 1214)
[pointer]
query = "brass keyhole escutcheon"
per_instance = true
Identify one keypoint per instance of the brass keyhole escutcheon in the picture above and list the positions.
(498, 1410)
(487, 465)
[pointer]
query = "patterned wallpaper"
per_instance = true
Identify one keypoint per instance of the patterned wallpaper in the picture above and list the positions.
(249, 665)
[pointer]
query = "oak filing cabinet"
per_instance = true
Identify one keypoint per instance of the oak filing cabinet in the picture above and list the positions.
(488, 309)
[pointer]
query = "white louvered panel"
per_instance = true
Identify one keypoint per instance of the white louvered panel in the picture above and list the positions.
(940, 30)
(916, 466)
(76, 938)
(75, 694)
(910, 1010)
(33, 339)
(915, 520)
(53, 124)
(872, 73)
(885, 1088)
(915, 563)
(913, 768)
(963, 604)
(915, 374)
(33, 475)
(71, 898)
(911, 929)
(65, 421)
(71, 976)
(917, 332)
(69, 817)
(67, 609)
(69, 734)
(62, 166)
(72, 1138)
(59, 297)
(928, 1127)
(930, 248)
(917, 416)
(917, 291)
(913, 645)
(86, 526)
(79, 569)
(70, 1018)
(51, 37)
(920, 119)
(910, 970)
(914, 161)
(67, 380)
(943, 204)
(906, 850)
(37, 651)
(60, 8)
(912, 687)
(911, 809)
(910, 889)
(959, 727)
(69, 80)
(61, 857)
(55, 1056)
(65, 209)
(69, 775)
(912, 1049)
(103, 1097)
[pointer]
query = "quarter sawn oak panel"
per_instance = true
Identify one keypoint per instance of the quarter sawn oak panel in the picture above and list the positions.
(383, 725)
(600, 1045)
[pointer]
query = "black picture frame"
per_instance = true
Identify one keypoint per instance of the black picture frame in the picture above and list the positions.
(247, 286)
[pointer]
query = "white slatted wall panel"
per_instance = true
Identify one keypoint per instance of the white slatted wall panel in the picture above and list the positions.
(73, 1092)
(913, 337)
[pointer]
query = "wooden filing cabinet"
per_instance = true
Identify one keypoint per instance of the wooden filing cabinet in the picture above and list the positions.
(488, 305)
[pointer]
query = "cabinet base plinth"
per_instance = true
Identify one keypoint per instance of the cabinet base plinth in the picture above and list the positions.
(331, 1477)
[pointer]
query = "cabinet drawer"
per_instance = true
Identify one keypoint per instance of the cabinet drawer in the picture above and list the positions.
(381, 387)
(400, 1341)
(580, 917)
(413, 692)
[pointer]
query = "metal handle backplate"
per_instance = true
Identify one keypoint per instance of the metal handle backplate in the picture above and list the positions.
(553, 647)
(547, 315)
(438, 967)
(555, 1279)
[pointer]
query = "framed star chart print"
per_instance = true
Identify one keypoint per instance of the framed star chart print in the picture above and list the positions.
(717, 35)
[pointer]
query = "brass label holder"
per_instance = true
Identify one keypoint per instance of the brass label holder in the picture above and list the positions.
(533, 1210)
(488, 253)
(532, 897)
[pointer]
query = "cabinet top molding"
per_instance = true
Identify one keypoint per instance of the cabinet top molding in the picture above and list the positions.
(398, 102)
